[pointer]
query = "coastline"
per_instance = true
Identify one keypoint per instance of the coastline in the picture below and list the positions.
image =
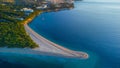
(50, 47)
(45, 47)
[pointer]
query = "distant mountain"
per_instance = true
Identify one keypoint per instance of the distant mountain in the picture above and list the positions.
(78, 0)
(28, 1)
(22, 2)
(7, 1)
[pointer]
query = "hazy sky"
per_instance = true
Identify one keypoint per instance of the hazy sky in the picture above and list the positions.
(103, 0)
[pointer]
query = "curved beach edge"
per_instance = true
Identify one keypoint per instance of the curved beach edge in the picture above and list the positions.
(49, 47)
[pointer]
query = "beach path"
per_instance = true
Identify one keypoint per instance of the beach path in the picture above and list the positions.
(50, 47)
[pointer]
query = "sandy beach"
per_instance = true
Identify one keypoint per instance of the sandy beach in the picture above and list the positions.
(46, 47)
(52, 48)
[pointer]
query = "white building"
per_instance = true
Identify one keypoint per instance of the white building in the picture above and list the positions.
(42, 7)
(56, 1)
(27, 10)
(60, 1)
(69, 1)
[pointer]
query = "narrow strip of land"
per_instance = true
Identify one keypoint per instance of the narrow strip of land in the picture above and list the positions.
(50, 47)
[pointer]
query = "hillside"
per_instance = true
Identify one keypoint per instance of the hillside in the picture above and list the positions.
(12, 32)
(8, 1)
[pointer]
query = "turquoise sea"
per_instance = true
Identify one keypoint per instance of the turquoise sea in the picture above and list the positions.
(92, 27)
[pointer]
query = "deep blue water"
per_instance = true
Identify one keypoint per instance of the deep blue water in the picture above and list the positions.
(90, 27)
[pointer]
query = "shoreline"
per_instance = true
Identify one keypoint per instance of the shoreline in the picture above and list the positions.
(50, 47)
(45, 47)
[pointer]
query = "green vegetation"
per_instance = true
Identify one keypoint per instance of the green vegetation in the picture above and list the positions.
(12, 32)
(14, 35)
(31, 16)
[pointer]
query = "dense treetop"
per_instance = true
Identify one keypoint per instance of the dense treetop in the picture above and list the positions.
(12, 32)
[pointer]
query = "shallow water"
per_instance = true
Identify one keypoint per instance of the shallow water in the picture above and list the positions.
(17, 60)
(90, 27)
